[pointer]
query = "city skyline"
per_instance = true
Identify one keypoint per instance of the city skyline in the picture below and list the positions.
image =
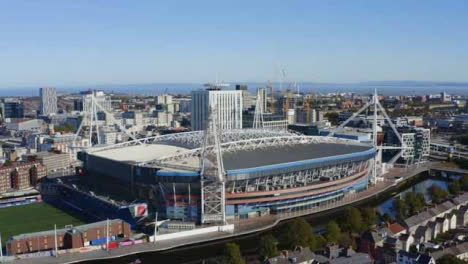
(61, 44)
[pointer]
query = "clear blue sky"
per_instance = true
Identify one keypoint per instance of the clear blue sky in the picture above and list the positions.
(71, 43)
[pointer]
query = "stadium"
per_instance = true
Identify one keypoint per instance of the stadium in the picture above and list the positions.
(266, 171)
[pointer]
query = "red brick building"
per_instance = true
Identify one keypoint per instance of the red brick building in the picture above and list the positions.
(21, 176)
(73, 237)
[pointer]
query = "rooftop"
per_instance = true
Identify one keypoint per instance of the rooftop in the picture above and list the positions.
(239, 159)
(456, 250)
(395, 228)
(284, 154)
(426, 215)
(139, 153)
(63, 230)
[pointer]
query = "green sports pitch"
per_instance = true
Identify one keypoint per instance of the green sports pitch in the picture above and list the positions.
(35, 217)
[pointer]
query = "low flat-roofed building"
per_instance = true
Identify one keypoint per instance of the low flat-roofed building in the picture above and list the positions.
(54, 161)
(24, 124)
(68, 237)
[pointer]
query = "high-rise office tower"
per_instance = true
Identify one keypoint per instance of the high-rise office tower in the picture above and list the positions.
(228, 104)
(11, 108)
(48, 103)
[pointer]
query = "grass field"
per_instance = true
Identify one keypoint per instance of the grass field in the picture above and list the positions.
(33, 218)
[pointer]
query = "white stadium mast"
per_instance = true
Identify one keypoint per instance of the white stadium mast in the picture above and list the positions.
(212, 175)
(377, 169)
(90, 118)
(259, 105)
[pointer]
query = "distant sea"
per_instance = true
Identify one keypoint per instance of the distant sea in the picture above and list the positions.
(387, 88)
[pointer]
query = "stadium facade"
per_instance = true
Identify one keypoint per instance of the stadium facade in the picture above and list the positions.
(266, 172)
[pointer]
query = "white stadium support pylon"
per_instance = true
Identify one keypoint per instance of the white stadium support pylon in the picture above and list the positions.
(377, 166)
(212, 175)
(258, 116)
(90, 118)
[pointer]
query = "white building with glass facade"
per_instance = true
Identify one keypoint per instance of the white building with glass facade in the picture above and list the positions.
(48, 101)
(228, 104)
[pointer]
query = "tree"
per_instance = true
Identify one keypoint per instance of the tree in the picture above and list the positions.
(320, 242)
(297, 233)
(332, 231)
(437, 193)
(462, 163)
(268, 246)
(400, 208)
(232, 254)
(422, 199)
(66, 128)
(369, 217)
(414, 202)
(464, 183)
(346, 240)
(185, 122)
(332, 117)
(450, 259)
(463, 139)
(386, 217)
(454, 187)
(352, 220)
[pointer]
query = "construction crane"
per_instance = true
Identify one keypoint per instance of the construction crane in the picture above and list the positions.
(307, 108)
(272, 97)
(287, 102)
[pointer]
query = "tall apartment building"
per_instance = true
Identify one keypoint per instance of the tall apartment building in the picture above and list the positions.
(417, 139)
(228, 104)
(48, 101)
(165, 103)
(11, 108)
(99, 96)
(108, 135)
(21, 176)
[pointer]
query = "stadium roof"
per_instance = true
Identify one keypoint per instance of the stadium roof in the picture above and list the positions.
(276, 155)
(140, 153)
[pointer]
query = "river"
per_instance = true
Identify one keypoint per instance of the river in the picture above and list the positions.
(421, 187)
